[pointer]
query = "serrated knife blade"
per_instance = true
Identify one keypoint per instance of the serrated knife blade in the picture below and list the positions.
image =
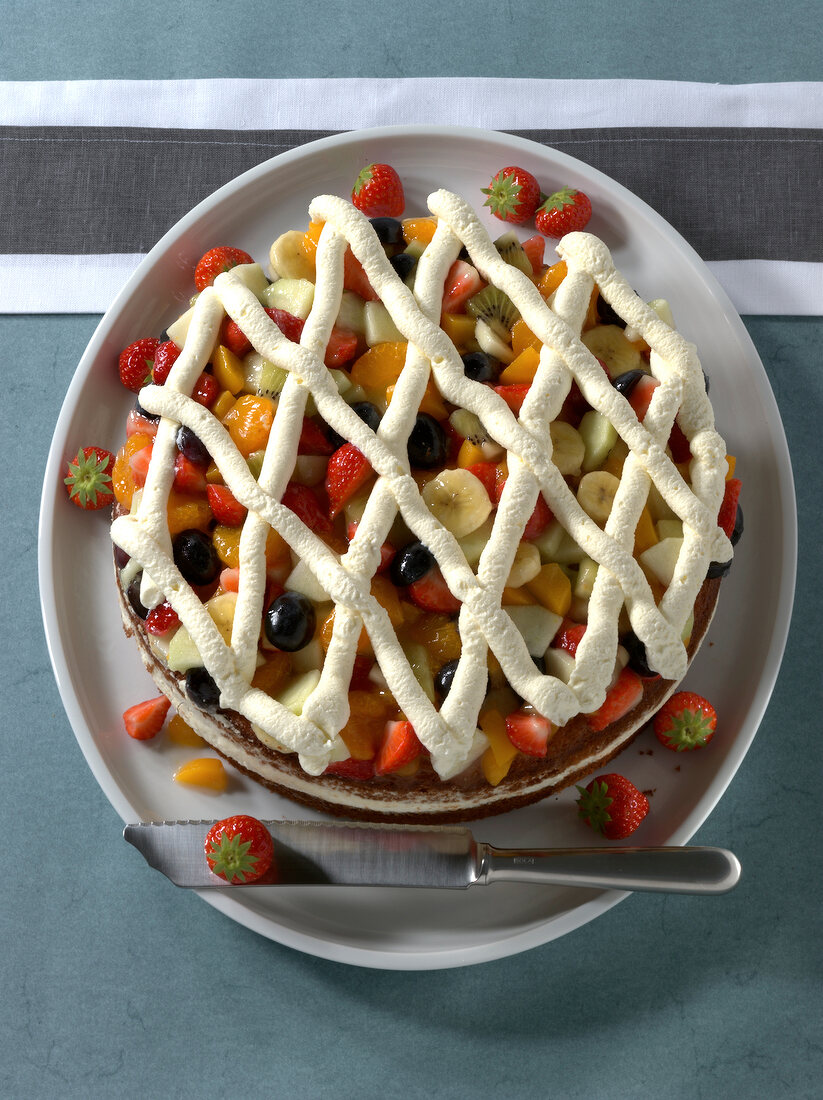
(308, 853)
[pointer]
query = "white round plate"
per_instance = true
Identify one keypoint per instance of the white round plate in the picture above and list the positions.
(98, 670)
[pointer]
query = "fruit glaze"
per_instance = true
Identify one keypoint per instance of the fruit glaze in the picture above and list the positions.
(450, 734)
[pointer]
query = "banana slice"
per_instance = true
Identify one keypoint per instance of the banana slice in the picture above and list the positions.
(526, 565)
(288, 258)
(595, 494)
(568, 448)
(609, 344)
(458, 500)
(491, 343)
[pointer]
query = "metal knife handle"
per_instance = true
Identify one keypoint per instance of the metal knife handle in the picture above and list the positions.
(693, 870)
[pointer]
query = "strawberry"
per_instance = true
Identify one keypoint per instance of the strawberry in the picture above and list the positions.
(161, 619)
(225, 506)
(138, 424)
(233, 337)
(612, 805)
(641, 396)
(164, 359)
(189, 477)
(687, 721)
(206, 389)
(462, 283)
(514, 395)
(139, 465)
(490, 475)
(529, 732)
(540, 519)
(494, 480)
(356, 279)
(625, 693)
(535, 248)
(88, 478)
(313, 440)
(135, 363)
(569, 636)
(215, 261)
(378, 192)
(563, 212)
(360, 673)
(352, 769)
(679, 445)
(433, 594)
(348, 471)
(239, 849)
(387, 551)
(400, 746)
(341, 348)
(727, 516)
(230, 580)
(306, 507)
(289, 325)
(145, 720)
(513, 195)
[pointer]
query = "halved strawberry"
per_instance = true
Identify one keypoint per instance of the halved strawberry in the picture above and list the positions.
(348, 471)
(356, 279)
(462, 282)
(88, 478)
(433, 594)
(490, 474)
(341, 348)
(569, 636)
(352, 769)
(625, 693)
(679, 445)
(687, 721)
(139, 465)
(145, 720)
(539, 520)
(137, 424)
(226, 507)
(206, 389)
(400, 746)
(535, 248)
(230, 580)
(189, 477)
(161, 619)
(233, 337)
(727, 515)
(306, 507)
(529, 732)
(514, 395)
(313, 440)
(217, 260)
(289, 325)
(641, 395)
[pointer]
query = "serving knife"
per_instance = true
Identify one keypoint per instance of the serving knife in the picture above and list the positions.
(308, 853)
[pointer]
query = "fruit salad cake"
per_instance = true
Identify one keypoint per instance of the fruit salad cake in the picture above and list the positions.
(422, 528)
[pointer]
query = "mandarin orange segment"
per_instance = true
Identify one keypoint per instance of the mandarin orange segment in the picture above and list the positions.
(227, 544)
(386, 595)
(523, 337)
(522, 368)
(205, 771)
(277, 550)
(122, 480)
(470, 454)
(379, 367)
(186, 512)
(459, 327)
(552, 277)
(440, 636)
(249, 422)
(419, 229)
(431, 403)
(644, 534)
(731, 462)
(311, 239)
(228, 369)
(181, 733)
(272, 676)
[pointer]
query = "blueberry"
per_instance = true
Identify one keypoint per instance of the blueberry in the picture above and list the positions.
(444, 678)
(201, 689)
(191, 446)
(368, 413)
(738, 527)
(289, 621)
(149, 416)
(625, 383)
(706, 381)
(411, 564)
(389, 230)
(606, 315)
(718, 569)
(195, 557)
(133, 595)
(121, 558)
(480, 367)
(403, 263)
(540, 663)
(638, 659)
(427, 443)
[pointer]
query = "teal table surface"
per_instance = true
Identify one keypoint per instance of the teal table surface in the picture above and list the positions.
(117, 985)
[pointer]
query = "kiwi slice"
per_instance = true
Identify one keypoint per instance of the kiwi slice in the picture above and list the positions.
(513, 252)
(496, 308)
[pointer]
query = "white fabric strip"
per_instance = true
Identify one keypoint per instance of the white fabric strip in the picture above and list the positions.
(89, 284)
(347, 104)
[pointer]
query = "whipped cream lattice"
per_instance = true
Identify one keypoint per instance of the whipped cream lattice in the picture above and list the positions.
(450, 734)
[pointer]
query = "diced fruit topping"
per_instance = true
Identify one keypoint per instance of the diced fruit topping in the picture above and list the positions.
(135, 363)
(164, 359)
(305, 505)
(623, 696)
(289, 621)
(195, 557)
(569, 636)
(399, 747)
(239, 849)
(612, 805)
(215, 261)
(201, 688)
(433, 594)
(529, 732)
(458, 500)
(348, 471)
(462, 283)
(145, 720)
(189, 477)
(227, 509)
(161, 619)
(566, 211)
(728, 514)
(513, 195)
(687, 721)
(378, 192)
(89, 478)
(411, 564)
(427, 443)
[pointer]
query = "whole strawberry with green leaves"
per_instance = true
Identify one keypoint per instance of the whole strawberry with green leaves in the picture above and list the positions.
(686, 722)
(88, 478)
(513, 195)
(378, 192)
(239, 849)
(565, 211)
(612, 805)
